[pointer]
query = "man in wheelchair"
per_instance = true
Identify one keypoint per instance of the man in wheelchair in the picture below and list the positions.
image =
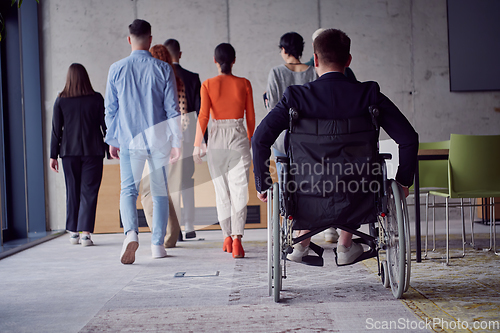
(335, 102)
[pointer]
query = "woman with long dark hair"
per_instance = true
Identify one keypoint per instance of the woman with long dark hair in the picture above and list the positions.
(78, 130)
(228, 100)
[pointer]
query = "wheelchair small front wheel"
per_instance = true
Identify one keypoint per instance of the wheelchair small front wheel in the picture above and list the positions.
(384, 274)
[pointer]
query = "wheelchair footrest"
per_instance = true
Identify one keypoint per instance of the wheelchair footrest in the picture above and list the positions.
(313, 261)
(316, 249)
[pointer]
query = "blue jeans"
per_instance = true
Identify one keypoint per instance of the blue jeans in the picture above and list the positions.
(131, 167)
(277, 153)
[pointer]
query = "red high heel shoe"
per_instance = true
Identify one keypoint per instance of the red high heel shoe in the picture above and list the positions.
(228, 245)
(238, 251)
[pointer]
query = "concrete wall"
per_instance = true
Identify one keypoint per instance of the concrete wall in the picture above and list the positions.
(402, 44)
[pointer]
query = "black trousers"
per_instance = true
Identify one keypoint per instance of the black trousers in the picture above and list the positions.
(83, 176)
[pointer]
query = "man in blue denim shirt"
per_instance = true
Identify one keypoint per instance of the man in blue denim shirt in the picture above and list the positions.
(143, 123)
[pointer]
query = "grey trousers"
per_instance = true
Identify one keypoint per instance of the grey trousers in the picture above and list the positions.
(228, 157)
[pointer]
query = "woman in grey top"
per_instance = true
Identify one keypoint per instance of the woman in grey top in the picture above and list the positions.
(292, 72)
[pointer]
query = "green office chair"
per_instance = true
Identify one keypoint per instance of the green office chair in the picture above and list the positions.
(473, 172)
(432, 175)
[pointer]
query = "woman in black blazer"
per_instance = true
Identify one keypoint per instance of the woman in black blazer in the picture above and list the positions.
(78, 129)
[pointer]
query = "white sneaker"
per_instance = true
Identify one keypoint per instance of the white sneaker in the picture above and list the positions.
(346, 255)
(299, 251)
(331, 235)
(86, 241)
(74, 238)
(130, 245)
(158, 251)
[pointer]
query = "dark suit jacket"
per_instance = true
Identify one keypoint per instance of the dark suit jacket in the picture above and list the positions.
(192, 85)
(334, 96)
(78, 127)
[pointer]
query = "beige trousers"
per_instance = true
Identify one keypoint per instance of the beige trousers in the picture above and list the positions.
(174, 202)
(228, 157)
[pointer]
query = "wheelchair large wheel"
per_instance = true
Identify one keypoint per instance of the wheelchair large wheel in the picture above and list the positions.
(277, 245)
(270, 240)
(407, 239)
(397, 240)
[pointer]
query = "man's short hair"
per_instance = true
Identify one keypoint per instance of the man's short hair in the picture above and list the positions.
(332, 46)
(140, 28)
(173, 47)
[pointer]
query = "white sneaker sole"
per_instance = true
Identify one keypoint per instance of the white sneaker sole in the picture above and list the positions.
(87, 242)
(128, 256)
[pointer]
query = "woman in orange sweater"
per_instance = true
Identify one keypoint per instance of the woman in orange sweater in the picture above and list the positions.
(228, 100)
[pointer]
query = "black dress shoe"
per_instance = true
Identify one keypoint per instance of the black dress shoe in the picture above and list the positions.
(190, 234)
(180, 239)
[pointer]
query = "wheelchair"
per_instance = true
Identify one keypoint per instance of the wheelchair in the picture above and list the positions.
(352, 144)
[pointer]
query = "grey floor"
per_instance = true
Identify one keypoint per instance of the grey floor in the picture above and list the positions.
(59, 287)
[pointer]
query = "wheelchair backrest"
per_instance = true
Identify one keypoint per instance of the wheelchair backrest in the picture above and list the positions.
(340, 154)
(335, 166)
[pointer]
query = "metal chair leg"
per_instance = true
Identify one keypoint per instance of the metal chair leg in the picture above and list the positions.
(472, 243)
(433, 223)
(494, 228)
(426, 223)
(447, 233)
(492, 221)
(462, 212)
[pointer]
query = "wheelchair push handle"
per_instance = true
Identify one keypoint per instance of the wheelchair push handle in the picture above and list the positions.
(294, 115)
(374, 113)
